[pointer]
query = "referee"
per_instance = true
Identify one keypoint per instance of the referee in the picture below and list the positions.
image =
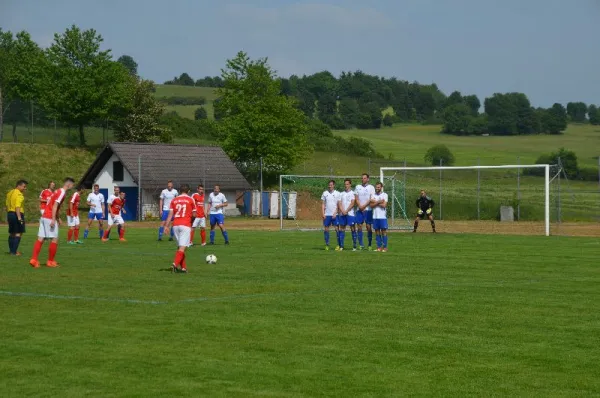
(425, 210)
(15, 216)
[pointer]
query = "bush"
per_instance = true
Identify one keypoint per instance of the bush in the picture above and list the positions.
(183, 100)
(588, 174)
(322, 139)
(388, 120)
(185, 128)
(437, 153)
(200, 114)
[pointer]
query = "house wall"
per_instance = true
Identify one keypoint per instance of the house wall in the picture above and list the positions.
(150, 200)
(105, 177)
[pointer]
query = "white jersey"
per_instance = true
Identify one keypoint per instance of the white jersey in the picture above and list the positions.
(215, 200)
(364, 193)
(331, 202)
(96, 202)
(346, 199)
(167, 196)
(379, 213)
(111, 197)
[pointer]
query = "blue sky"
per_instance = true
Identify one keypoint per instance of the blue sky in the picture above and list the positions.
(544, 48)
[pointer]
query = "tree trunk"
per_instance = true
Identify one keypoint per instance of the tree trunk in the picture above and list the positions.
(81, 135)
(14, 132)
(1, 117)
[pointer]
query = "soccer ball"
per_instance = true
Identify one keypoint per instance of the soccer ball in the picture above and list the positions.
(211, 259)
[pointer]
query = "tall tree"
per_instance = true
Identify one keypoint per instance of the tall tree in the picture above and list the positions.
(554, 119)
(85, 84)
(185, 80)
(349, 111)
(306, 103)
(259, 122)
(129, 63)
(473, 103)
(327, 109)
(141, 121)
(457, 118)
(593, 115)
(577, 111)
(454, 98)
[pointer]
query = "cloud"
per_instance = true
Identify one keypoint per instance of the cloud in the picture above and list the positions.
(312, 15)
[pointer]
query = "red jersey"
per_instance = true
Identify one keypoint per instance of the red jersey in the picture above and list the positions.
(44, 196)
(74, 204)
(57, 197)
(183, 207)
(199, 199)
(116, 205)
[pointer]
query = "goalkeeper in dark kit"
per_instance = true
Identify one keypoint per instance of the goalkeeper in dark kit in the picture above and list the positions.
(425, 210)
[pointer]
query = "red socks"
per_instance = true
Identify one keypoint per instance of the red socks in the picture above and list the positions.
(52, 251)
(37, 247)
(77, 233)
(69, 235)
(192, 235)
(106, 234)
(183, 266)
(122, 233)
(179, 256)
(203, 235)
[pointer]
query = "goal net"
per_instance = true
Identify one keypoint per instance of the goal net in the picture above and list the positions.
(300, 202)
(487, 194)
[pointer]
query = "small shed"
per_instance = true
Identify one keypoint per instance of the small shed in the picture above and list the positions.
(146, 168)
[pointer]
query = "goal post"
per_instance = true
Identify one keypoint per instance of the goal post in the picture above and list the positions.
(502, 185)
(299, 201)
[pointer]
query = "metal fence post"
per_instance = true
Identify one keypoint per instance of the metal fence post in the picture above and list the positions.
(140, 202)
(404, 176)
(478, 188)
(558, 194)
(518, 189)
(441, 164)
(369, 166)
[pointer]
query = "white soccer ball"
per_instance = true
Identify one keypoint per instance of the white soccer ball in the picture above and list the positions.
(211, 259)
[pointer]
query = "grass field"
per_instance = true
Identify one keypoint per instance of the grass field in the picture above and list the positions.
(461, 315)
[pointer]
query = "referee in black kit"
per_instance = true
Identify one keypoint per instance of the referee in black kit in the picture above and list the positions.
(15, 216)
(425, 209)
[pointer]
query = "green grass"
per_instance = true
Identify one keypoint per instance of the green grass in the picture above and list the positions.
(163, 90)
(188, 111)
(469, 315)
(412, 141)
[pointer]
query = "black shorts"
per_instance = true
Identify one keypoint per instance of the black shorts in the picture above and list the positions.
(14, 225)
(424, 215)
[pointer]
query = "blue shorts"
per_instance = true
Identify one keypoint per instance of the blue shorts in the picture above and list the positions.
(364, 217)
(380, 223)
(346, 220)
(217, 219)
(164, 215)
(95, 216)
(330, 221)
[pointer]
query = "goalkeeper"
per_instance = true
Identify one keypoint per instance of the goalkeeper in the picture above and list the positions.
(425, 209)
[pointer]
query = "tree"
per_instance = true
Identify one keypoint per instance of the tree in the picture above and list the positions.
(577, 111)
(454, 98)
(200, 114)
(85, 84)
(554, 119)
(327, 109)
(306, 103)
(259, 122)
(388, 120)
(473, 103)
(567, 159)
(509, 114)
(129, 64)
(185, 80)
(141, 122)
(593, 115)
(348, 111)
(438, 153)
(456, 118)
(370, 116)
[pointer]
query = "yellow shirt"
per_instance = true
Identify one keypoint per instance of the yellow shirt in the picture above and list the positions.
(14, 199)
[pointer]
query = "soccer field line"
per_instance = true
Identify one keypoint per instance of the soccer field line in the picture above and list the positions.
(159, 302)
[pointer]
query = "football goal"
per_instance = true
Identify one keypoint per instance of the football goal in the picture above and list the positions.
(476, 193)
(300, 201)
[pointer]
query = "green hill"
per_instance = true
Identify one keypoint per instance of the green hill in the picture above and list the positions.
(209, 93)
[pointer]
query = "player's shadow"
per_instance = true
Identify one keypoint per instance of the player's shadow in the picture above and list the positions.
(165, 269)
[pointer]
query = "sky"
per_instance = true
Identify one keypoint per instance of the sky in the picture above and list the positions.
(544, 48)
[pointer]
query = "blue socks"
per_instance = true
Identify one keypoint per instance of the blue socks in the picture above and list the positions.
(354, 239)
(385, 237)
(370, 237)
(11, 245)
(161, 231)
(378, 240)
(225, 236)
(101, 233)
(212, 236)
(326, 234)
(172, 232)
(85, 233)
(342, 238)
(360, 238)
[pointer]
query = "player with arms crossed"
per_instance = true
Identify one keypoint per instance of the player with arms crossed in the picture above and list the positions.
(166, 196)
(73, 217)
(49, 226)
(217, 202)
(116, 205)
(379, 202)
(346, 203)
(95, 201)
(329, 210)
(364, 213)
(425, 209)
(45, 195)
(181, 213)
(200, 220)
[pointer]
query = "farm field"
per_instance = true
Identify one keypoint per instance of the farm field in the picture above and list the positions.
(279, 316)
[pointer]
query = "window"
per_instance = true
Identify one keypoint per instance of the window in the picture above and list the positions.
(117, 171)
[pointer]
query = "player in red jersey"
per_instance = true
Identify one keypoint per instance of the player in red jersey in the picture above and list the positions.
(49, 226)
(200, 220)
(116, 205)
(181, 213)
(73, 217)
(45, 195)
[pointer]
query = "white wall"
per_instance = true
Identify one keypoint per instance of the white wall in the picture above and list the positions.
(105, 177)
(150, 200)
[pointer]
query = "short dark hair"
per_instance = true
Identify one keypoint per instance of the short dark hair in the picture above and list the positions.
(330, 181)
(21, 182)
(122, 193)
(96, 185)
(217, 185)
(50, 183)
(365, 174)
(379, 183)
(200, 186)
(170, 182)
(348, 180)
(80, 187)
(185, 188)
(69, 179)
